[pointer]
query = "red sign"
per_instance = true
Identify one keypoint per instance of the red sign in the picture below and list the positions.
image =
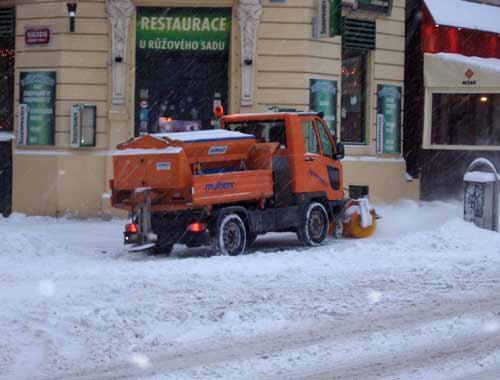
(469, 73)
(37, 36)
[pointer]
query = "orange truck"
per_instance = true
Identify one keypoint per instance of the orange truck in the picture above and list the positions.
(258, 173)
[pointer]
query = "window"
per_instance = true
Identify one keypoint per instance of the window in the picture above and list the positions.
(310, 138)
(353, 96)
(465, 119)
(264, 131)
(326, 143)
(7, 50)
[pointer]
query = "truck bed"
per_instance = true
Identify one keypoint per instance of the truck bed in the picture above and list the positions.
(197, 169)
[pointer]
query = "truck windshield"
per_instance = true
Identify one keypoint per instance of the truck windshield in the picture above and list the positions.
(264, 131)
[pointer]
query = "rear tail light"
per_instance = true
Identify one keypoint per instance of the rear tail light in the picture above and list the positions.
(197, 227)
(132, 228)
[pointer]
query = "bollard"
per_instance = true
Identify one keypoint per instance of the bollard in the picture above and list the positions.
(481, 194)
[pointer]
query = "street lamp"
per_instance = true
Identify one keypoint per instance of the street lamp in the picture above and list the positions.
(72, 16)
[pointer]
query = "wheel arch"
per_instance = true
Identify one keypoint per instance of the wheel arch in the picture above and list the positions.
(241, 211)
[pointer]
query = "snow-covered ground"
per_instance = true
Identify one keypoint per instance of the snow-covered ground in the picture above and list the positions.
(420, 300)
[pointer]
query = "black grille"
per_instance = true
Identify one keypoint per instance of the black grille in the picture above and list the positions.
(7, 22)
(358, 34)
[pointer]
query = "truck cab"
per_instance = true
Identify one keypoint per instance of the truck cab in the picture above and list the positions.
(308, 157)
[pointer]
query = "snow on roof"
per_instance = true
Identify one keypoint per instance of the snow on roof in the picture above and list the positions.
(209, 135)
(465, 14)
(490, 64)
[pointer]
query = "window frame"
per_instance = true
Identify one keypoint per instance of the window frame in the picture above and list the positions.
(328, 135)
(365, 97)
(228, 124)
(316, 134)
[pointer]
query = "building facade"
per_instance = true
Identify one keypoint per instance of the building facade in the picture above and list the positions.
(452, 91)
(91, 76)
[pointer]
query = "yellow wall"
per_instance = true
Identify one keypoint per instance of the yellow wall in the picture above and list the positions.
(57, 179)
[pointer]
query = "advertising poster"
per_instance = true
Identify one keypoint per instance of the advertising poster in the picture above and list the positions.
(323, 98)
(184, 30)
(388, 119)
(38, 94)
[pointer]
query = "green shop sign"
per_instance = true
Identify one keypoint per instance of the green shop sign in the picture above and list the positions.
(200, 30)
(323, 98)
(389, 119)
(37, 97)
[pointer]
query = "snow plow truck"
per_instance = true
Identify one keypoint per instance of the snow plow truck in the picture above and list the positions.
(258, 173)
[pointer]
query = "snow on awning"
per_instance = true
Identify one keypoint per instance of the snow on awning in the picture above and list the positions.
(465, 14)
(455, 70)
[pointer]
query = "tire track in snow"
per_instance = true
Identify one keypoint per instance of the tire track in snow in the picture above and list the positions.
(342, 328)
(401, 365)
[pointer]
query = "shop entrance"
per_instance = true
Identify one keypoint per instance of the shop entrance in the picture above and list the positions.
(7, 50)
(181, 67)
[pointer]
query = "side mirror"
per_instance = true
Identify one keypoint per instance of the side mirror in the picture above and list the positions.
(340, 151)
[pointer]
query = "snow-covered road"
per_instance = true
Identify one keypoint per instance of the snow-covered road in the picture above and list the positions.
(420, 300)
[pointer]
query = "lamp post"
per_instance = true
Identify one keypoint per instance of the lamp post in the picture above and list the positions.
(72, 16)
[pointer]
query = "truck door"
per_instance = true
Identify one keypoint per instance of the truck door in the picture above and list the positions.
(313, 177)
(331, 168)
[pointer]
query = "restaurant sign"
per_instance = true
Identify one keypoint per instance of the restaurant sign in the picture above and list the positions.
(374, 6)
(196, 30)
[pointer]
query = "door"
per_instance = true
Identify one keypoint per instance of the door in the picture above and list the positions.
(313, 176)
(182, 70)
(331, 168)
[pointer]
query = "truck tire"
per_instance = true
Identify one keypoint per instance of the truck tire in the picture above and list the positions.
(314, 228)
(230, 236)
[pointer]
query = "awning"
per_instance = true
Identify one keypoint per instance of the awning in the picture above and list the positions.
(455, 70)
(465, 14)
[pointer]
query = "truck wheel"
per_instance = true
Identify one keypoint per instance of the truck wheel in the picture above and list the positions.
(315, 225)
(230, 237)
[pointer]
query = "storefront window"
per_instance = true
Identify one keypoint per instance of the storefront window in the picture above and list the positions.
(182, 70)
(466, 119)
(353, 96)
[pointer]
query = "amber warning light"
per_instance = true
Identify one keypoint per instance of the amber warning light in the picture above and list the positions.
(219, 111)
(131, 228)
